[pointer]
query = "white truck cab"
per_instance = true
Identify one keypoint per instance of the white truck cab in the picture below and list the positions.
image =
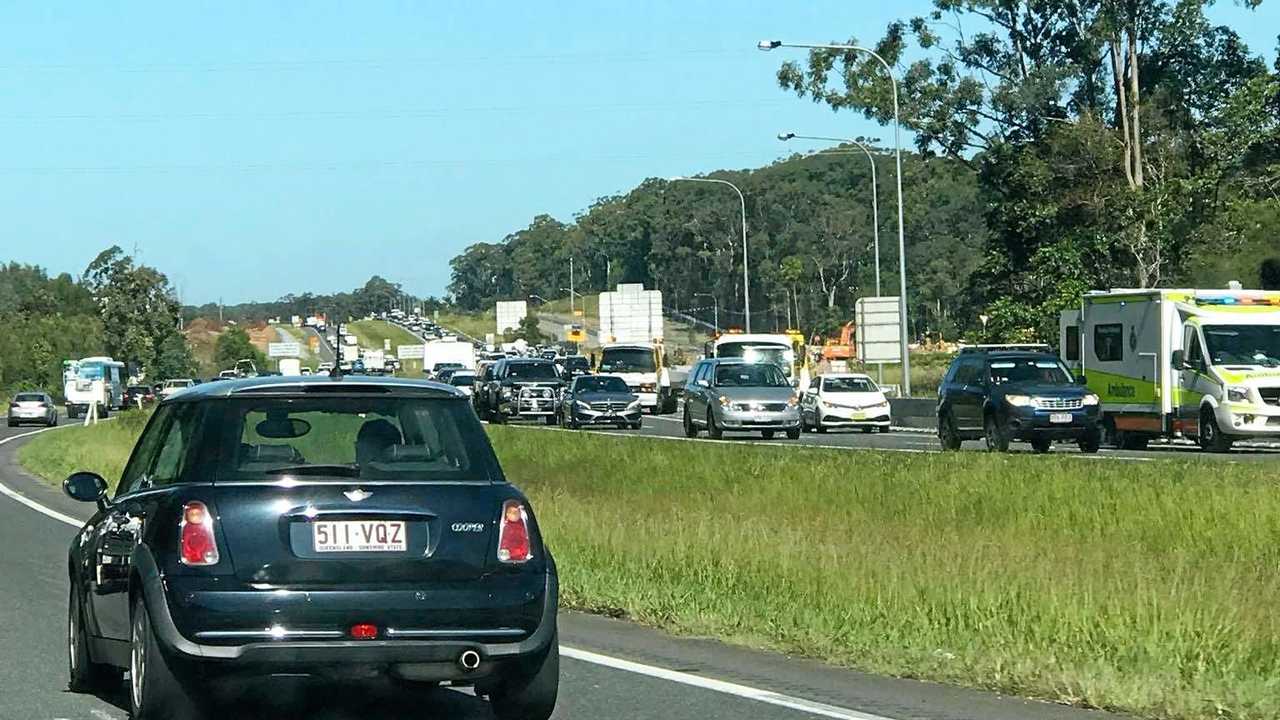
(1167, 363)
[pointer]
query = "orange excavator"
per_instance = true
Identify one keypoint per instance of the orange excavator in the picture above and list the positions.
(842, 349)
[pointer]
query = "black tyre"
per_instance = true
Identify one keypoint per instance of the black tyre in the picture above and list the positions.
(1090, 442)
(766, 434)
(84, 675)
(1041, 445)
(1126, 440)
(1211, 437)
(867, 430)
(793, 434)
(997, 440)
(13, 423)
(713, 430)
(530, 695)
(636, 425)
(53, 422)
(155, 692)
(885, 428)
(690, 430)
(947, 434)
(549, 420)
(71, 413)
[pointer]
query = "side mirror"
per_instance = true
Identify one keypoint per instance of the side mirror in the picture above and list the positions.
(795, 382)
(704, 383)
(1178, 360)
(1082, 380)
(85, 487)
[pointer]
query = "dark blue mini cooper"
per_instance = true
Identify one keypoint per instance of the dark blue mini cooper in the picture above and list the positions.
(341, 528)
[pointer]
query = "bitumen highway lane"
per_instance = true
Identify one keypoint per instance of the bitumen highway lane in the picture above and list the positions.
(610, 669)
(922, 440)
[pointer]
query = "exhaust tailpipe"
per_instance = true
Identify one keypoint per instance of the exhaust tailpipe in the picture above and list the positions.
(469, 660)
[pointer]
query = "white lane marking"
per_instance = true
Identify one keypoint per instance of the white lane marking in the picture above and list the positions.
(10, 492)
(727, 688)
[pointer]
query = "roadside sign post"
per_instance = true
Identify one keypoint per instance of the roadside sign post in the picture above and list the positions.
(878, 327)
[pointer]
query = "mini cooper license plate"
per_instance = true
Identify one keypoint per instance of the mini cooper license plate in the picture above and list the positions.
(1060, 418)
(359, 536)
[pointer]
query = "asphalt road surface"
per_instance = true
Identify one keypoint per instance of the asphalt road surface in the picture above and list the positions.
(905, 440)
(610, 669)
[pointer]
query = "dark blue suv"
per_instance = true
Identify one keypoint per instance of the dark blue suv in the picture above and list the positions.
(1015, 393)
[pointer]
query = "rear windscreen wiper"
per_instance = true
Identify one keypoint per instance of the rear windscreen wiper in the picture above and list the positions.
(344, 470)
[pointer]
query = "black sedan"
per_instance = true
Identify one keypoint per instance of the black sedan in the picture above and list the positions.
(139, 396)
(338, 529)
(599, 400)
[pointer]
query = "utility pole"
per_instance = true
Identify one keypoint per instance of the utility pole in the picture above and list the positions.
(571, 286)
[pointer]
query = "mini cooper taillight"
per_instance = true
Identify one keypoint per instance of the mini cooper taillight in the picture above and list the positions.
(196, 533)
(513, 534)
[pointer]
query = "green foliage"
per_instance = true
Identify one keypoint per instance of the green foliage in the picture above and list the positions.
(45, 320)
(377, 295)
(809, 236)
(528, 331)
(233, 346)
(139, 312)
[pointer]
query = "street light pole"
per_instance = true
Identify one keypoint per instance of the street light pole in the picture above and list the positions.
(715, 310)
(897, 141)
(875, 192)
(571, 286)
(746, 276)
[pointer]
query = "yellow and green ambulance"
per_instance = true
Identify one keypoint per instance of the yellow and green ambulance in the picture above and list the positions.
(1166, 363)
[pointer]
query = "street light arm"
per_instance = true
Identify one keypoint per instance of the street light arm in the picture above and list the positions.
(746, 277)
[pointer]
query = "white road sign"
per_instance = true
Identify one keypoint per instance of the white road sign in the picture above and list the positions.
(284, 349)
(878, 329)
(411, 352)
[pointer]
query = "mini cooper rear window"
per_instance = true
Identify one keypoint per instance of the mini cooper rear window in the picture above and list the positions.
(371, 438)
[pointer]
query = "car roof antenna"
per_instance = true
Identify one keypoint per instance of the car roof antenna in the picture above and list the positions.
(335, 372)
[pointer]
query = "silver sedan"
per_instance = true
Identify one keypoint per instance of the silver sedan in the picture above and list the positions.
(32, 407)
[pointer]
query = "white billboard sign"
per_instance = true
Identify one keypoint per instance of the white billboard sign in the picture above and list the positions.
(509, 314)
(284, 349)
(411, 352)
(878, 327)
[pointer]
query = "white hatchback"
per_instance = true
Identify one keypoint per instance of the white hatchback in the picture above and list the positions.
(845, 400)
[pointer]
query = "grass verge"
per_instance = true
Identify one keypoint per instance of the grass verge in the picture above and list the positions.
(1144, 587)
(102, 448)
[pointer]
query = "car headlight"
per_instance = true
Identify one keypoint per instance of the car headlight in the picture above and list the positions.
(1089, 399)
(724, 401)
(793, 401)
(634, 404)
(1238, 394)
(582, 405)
(1019, 400)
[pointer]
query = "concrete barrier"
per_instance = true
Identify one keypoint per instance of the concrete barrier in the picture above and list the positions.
(914, 412)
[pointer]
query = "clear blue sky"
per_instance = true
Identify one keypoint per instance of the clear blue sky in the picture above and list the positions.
(249, 149)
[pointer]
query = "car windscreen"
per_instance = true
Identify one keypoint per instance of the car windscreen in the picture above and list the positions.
(462, 380)
(850, 385)
(779, 355)
(1029, 370)
(1243, 344)
(576, 363)
(596, 383)
(407, 439)
(28, 397)
(532, 371)
(750, 375)
(620, 360)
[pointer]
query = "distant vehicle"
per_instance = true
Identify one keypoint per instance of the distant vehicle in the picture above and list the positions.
(735, 395)
(323, 368)
(464, 380)
(445, 374)
(174, 385)
(246, 368)
(289, 366)
(437, 371)
(139, 396)
(786, 350)
(304, 370)
(32, 407)
(599, 400)
(576, 365)
(1005, 393)
(548, 354)
(375, 361)
(1201, 363)
(839, 400)
(642, 366)
(228, 374)
(357, 367)
(521, 389)
(92, 380)
(446, 353)
(391, 485)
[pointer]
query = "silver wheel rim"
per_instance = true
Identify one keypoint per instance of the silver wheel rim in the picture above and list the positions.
(137, 662)
(71, 634)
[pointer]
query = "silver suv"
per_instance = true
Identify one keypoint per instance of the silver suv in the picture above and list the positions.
(730, 394)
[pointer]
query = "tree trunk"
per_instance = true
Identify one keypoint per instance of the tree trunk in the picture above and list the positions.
(1135, 105)
(1122, 112)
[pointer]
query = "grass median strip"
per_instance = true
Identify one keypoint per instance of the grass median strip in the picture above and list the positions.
(1148, 588)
